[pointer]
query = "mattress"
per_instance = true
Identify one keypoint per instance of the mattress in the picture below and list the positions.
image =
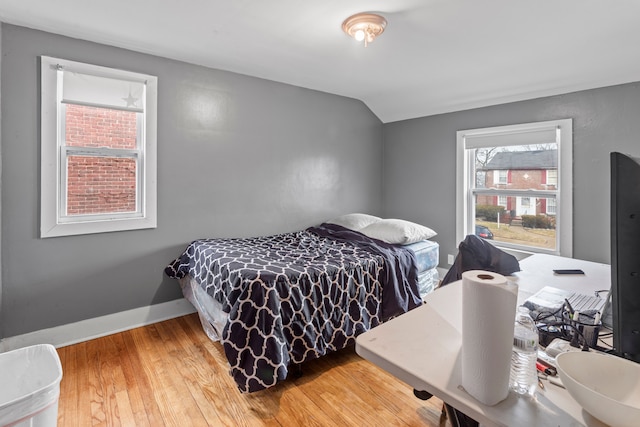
(294, 296)
(427, 254)
(428, 281)
(213, 318)
(210, 312)
(427, 258)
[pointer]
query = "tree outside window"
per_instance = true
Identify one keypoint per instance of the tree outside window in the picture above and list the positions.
(511, 181)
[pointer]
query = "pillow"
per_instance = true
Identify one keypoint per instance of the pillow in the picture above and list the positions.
(354, 221)
(397, 231)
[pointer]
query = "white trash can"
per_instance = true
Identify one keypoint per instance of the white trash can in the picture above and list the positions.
(30, 387)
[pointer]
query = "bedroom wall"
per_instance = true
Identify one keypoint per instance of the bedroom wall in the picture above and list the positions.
(238, 156)
(420, 159)
(1, 323)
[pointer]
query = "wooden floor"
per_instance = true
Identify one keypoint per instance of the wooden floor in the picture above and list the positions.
(171, 374)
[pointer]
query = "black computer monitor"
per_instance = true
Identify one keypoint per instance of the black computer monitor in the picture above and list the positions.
(625, 255)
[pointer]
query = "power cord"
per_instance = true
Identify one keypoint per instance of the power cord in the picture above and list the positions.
(560, 323)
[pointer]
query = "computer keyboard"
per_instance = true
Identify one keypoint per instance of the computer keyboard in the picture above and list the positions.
(582, 302)
(551, 299)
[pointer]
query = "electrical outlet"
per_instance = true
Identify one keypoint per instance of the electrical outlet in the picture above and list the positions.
(450, 259)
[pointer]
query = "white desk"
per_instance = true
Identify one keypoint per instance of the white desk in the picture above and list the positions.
(422, 348)
(537, 272)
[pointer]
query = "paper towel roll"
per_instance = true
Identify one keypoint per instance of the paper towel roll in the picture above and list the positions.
(488, 313)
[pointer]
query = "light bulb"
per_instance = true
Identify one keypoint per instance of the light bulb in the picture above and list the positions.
(364, 27)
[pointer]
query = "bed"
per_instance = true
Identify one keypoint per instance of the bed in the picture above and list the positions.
(277, 301)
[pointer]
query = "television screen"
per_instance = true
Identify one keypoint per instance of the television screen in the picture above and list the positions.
(625, 255)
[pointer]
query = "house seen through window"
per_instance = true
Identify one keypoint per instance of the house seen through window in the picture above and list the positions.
(511, 181)
(98, 149)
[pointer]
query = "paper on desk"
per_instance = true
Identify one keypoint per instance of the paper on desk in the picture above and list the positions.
(488, 313)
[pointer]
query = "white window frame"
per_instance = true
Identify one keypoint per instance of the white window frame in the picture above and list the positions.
(520, 134)
(53, 222)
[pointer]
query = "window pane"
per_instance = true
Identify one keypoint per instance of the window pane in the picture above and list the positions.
(537, 231)
(100, 185)
(98, 149)
(517, 219)
(100, 127)
(517, 167)
(509, 184)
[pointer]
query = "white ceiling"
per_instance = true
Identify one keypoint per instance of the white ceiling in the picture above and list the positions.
(435, 56)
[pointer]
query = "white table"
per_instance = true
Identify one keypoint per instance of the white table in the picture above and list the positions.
(422, 348)
(537, 272)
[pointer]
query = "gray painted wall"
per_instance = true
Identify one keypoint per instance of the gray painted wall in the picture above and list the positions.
(240, 156)
(1, 323)
(237, 156)
(420, 159)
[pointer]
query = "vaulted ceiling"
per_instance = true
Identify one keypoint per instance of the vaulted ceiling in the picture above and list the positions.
(435, 56)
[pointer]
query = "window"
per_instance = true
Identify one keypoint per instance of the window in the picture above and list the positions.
(552, 177)
(500, 177)
(551, 206)
(98, 149)
(531, 210)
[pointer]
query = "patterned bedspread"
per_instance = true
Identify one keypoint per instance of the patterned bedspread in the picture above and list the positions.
(298, 296)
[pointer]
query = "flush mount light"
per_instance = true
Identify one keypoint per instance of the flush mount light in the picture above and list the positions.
(364, 26)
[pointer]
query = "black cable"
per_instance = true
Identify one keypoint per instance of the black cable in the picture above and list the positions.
(547, 314)
(607, 345)
(566, 323)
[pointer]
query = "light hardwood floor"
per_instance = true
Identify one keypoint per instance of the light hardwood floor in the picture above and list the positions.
(170, 373)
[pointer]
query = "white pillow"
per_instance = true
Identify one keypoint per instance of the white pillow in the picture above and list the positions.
(355, 221)
(397, 231)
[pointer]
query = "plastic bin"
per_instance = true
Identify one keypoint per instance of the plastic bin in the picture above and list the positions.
(30, 386)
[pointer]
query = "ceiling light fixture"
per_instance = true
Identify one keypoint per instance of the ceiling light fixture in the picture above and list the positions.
(364, 26)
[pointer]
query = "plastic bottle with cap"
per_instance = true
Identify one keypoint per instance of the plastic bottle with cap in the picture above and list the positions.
(523, 378)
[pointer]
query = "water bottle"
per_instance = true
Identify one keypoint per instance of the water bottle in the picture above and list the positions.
(524, 378)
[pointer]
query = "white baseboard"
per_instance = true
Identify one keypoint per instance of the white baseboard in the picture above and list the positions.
(85, 330)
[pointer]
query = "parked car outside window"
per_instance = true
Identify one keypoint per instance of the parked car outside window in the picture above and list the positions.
(483, 232)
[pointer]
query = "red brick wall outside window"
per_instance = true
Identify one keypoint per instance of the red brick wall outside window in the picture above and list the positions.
(96, 184)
